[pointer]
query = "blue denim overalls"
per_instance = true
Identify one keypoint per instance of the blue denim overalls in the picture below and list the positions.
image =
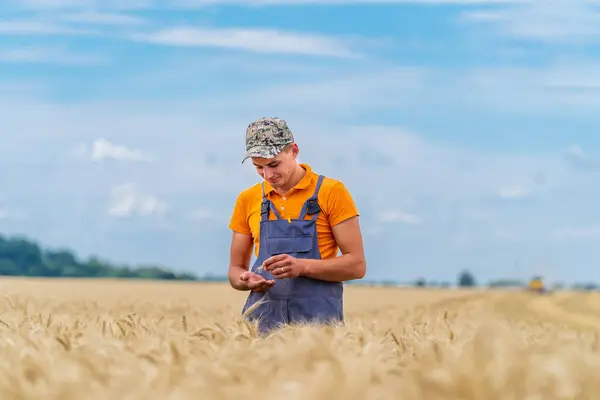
(298, 300)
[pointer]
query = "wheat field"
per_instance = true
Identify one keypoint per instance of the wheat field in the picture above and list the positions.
(97, 339)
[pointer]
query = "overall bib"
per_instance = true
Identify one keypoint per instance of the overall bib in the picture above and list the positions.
(299, 300)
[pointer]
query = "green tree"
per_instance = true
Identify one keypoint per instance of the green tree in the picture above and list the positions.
(466, 279)
(420, 282)
(22, 257)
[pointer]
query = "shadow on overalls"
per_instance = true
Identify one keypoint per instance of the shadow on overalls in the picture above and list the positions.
(255, 323)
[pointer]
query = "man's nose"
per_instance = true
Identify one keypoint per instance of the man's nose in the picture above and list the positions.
(268, 172)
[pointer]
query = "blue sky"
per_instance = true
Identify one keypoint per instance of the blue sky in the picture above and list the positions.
(466, 130)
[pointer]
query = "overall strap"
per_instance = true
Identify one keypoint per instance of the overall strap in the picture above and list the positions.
(311, 206)
(267, 205)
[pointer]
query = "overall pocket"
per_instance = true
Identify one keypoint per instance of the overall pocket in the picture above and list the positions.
(299, 246)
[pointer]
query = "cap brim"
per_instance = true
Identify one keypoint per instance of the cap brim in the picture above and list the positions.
(263, 152)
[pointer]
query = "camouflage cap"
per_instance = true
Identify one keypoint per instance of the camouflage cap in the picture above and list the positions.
(266, 137)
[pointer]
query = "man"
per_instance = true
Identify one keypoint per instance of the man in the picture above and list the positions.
(296, 220)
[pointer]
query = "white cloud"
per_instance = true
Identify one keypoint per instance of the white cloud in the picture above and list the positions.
(202, 214)
(468, 238)
(85, 4)
(448, 172)
(399, 216)
(543, 20)
(210, 217)
(579, 158)
(556, 89)
(39, 27)
(392, 220)
(576, 233)
(255, 40)
(575, 151)
(145, 4)
(430, 169)
(102, 18)
(192, 3)
(47, 56)
(102, 149)
(514, 192)
(550, 21)
(127, 200)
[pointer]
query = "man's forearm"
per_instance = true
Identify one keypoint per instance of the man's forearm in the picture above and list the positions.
(343, 268)
(234, 277)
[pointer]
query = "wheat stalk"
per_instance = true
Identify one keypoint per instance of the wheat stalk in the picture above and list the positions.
(101, 339)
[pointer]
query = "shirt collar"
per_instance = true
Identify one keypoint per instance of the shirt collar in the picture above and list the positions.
(303, 184)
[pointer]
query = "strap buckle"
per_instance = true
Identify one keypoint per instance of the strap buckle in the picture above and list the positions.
(312, 207)
(264, 208)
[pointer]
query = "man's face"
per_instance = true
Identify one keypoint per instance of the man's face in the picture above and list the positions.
(277, 170)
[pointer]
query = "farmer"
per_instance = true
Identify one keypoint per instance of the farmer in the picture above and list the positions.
(296, 220)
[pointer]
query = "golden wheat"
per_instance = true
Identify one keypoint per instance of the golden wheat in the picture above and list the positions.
(76, 339)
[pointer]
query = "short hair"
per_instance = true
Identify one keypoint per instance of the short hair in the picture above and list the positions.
(288, 147)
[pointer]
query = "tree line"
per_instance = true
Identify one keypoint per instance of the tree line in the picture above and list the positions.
(467, 279)
(20, 256)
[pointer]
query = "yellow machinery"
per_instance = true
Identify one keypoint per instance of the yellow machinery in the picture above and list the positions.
(536, 284)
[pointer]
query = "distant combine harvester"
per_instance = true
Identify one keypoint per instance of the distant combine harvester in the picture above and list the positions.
(536, 285)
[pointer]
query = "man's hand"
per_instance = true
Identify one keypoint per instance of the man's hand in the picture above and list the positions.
(284, 266)
(256, 282)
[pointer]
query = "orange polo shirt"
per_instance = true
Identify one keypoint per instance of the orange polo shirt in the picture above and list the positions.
(334, 199)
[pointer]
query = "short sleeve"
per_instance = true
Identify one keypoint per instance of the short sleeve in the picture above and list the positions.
(239, 217)
(340, 204)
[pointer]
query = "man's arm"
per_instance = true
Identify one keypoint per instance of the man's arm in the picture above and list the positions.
(240, 250)
(239, 259)
(350, 265)
(343, 216)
